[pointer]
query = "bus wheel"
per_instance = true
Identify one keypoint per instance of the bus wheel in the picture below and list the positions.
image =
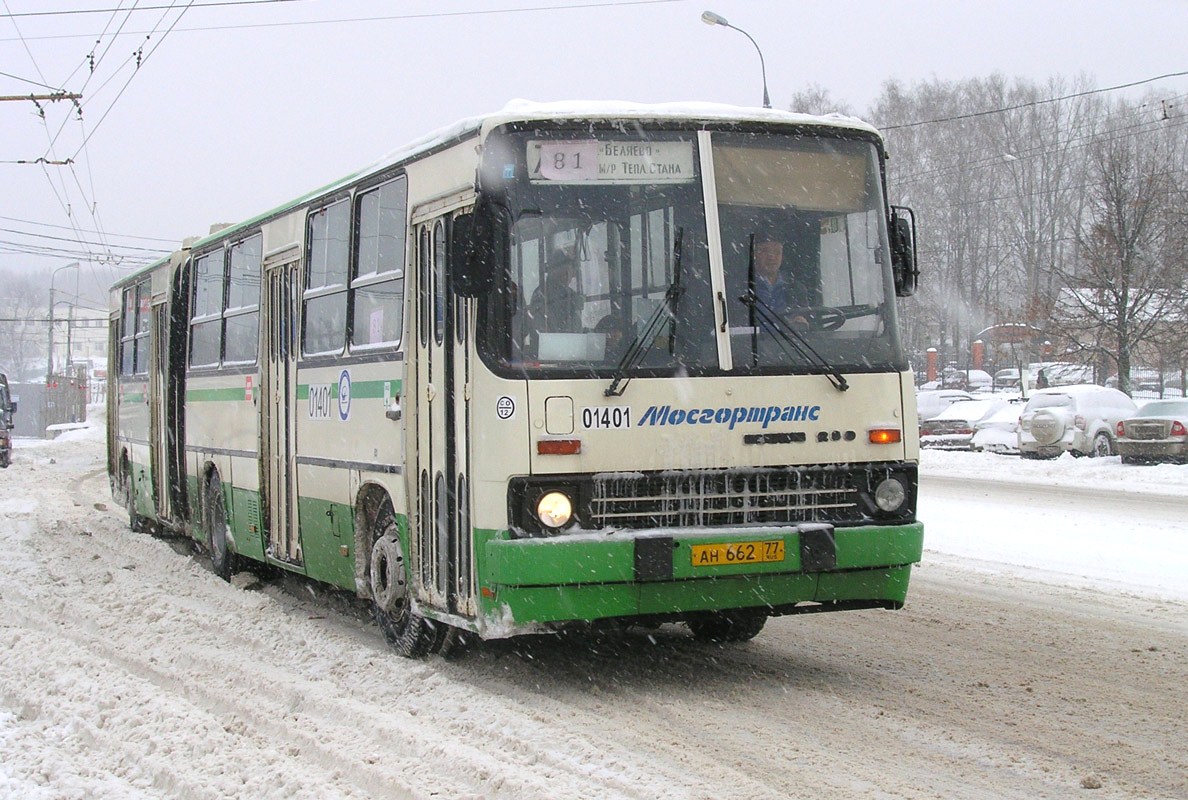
(127, 498)
(121, 488)
(222, 560)
(728, 626)
(410, 634)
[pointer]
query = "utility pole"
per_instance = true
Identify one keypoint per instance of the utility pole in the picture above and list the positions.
(49, 98)
(49, 360)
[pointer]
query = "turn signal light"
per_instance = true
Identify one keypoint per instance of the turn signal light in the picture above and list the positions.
(885, 436)
(558, 447)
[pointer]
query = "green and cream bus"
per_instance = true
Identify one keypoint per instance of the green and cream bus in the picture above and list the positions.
(531, 371)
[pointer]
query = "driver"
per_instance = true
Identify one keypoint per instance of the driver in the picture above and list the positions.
(772, 288)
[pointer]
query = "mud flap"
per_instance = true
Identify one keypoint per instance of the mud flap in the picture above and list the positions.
(818, 547)
(653, 558)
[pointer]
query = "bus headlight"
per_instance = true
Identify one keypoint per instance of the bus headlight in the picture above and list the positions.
(554, 510)
(890, 494)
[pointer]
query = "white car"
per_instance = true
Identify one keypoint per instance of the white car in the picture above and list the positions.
(930, 402)
(953, 428)
(999, 432)
(1078, 419)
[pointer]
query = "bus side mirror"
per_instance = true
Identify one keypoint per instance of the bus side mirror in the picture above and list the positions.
(903, 251)
(477, 249)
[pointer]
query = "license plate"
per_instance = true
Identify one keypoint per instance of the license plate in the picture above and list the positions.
(717, 555)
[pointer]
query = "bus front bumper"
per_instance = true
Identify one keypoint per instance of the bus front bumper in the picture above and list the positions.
(591, 576)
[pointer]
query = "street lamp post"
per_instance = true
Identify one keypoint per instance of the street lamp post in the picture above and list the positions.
(49, 360)
(710, 18)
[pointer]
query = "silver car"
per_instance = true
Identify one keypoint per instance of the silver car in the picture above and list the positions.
(1157, 432)
(1078, 419)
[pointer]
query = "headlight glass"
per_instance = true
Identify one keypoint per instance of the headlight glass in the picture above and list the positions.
(554, 510)
(890, 494)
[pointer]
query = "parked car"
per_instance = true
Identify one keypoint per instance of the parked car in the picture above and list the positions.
(1078, 419)
(953, 428)
(971, 379)
(999, 432)
(1006, 379)
(1157, 432)
(931, 402)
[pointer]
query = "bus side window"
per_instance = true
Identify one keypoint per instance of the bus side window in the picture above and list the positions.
(377, 287)
(206, 324)
(324, 319)
(243, 301)
(128, 332)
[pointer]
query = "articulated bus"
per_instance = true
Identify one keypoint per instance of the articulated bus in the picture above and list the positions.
(537, 370)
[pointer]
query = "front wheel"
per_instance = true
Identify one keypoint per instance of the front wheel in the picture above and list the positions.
(728, 626)
(222, 560)
(410, 634)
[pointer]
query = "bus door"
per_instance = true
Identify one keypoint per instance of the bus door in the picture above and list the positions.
(440, 527)
(277, 401)
(159, 459)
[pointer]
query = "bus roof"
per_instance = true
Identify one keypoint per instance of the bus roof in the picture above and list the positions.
(526, 111)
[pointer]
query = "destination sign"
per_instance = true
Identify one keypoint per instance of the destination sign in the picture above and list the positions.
(592, 161)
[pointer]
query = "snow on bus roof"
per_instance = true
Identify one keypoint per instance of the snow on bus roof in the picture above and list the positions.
(526, 110)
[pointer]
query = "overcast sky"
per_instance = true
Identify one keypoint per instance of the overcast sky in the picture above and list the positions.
(239, 108)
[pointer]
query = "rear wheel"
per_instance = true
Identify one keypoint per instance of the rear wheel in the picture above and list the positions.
(222, 560)
(728, 626)
(410, 634)
(1103, 445)
(127, 497)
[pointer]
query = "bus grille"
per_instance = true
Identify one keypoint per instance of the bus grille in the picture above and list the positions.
(717, 499)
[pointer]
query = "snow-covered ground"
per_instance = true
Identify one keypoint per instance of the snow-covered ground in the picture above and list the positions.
(128, 671)
(1073, 521)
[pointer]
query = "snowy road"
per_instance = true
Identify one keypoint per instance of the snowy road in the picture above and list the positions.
(128, 670)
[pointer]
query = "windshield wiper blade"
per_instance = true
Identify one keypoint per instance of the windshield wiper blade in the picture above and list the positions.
(664, 313)
(786, 336)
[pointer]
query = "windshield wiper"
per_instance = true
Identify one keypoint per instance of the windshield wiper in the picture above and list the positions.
(786, 336)
(665, 312)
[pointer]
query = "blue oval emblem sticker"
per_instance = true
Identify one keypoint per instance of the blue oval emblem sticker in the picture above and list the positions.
(344, 395)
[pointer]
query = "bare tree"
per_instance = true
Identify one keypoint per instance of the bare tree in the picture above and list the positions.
(1129, 284)
(22, 326)
(816, 99)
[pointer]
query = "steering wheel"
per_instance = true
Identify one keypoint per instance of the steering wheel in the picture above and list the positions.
(826, 318)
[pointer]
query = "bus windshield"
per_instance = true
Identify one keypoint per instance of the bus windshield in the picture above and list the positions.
(612, 251)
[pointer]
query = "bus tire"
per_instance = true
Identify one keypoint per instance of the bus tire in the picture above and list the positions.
(222, 560)
(728, 626)
(409, 634)
(121, 488)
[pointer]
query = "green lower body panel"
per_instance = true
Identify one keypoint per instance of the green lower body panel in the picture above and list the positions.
(588, 577)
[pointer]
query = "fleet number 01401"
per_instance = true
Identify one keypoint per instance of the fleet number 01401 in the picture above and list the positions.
(606, 417)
